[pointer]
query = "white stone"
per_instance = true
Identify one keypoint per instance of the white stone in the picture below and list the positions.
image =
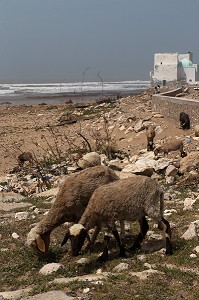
(52, 295)
(188, 203)
(18, 294)
(196, 249)
(83, 261)
(22, 215)
(193, 255)
(121, 267)
(86, 290)
(147, 265)
(141, 258)
(191, 231)
(50, 268)
(15, 235)
(122, 128)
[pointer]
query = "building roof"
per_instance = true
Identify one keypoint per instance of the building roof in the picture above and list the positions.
(186, 63)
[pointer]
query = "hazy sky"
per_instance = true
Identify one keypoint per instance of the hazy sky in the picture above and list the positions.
(56, 40)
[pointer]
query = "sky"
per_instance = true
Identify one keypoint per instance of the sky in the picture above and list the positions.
(68, 40)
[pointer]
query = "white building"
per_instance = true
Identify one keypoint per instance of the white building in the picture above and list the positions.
(174, 67)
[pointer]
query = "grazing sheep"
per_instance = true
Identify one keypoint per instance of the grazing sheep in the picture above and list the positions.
(25, 156)
(128, 199)
(170, 146)
(70, 203)
(184, 121)
(150, 134)
(196, 130)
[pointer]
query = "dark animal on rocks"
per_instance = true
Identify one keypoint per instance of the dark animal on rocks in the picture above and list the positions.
(70, 203)
(25, 156)
(184, 121)
(128, 199)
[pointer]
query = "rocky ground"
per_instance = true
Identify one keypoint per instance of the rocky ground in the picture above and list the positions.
(57, 136)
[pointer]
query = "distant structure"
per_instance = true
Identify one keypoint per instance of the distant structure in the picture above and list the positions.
(174, 67)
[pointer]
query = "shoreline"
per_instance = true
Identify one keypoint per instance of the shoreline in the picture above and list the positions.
(62, 98)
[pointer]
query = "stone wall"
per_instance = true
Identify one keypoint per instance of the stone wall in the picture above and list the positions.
(170, 106)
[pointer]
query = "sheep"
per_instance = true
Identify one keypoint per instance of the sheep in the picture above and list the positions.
(167, 147)
(70, 203)
(25, 156)
(184, 121)
(196, 130)
(128, 199)
(150, 134)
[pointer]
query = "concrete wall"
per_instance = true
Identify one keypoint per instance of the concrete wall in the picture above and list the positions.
(190, 74)
(165, 66)
(170, 106)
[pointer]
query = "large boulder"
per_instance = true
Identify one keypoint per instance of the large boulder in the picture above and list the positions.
(88, 160)
(189, 162)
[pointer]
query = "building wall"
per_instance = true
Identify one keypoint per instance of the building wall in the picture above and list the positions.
(165, 66)
(190, 74)
(170, 106)
(188, 56)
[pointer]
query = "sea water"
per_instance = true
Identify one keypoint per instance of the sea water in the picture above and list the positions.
(51, 93)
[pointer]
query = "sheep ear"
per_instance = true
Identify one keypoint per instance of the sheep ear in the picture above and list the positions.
(66, 237)
(41, 244)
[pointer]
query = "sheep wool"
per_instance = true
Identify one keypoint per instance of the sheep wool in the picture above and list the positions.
(70, 203)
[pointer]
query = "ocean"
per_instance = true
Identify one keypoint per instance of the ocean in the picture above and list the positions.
(54, 93)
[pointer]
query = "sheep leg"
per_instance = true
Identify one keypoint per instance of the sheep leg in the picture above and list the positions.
(104, 256)
(119, 242)
(169, 247)
(93, 237)
(144, 227)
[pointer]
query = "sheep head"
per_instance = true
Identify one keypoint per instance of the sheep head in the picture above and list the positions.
(77, 234)
(39, 242)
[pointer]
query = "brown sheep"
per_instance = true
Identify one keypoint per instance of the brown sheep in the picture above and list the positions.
(128, 199)
(70, 203)
(169, 147)
(150, 134)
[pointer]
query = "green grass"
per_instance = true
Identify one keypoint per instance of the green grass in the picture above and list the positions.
(20, 265)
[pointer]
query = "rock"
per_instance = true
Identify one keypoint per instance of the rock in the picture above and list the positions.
(15, 235)
(167, 196)
(50, 268)
(18, 294)
(193, 255)
(139, 126)
(196, 249)
(192, 231)
(11, 197)
(158, 116)
(49, 193)
(141, 258)
(121, 267)
(83, 261)
(130, 129)
(145, 274)
(90, 159)
(22, 215)
(52, 295)
(171, 171)
(189, 162)
(121, 128)
(90, 278)
(188, 203)
(170, 180)
(169, 212)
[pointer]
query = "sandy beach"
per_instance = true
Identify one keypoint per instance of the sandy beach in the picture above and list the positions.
(29, 127)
